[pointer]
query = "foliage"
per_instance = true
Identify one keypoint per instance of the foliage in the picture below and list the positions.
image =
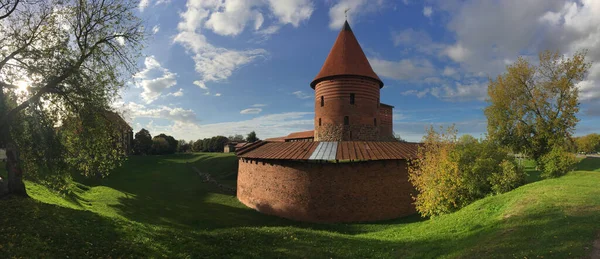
(69, 57)
(142, 144)
(588, 144)
(557, 162)
(125, 216)
(236, 138)
(450, 174)
(532, 108)
(509, 177)
(198, 146)
(252, 137)
(172, 144)
(183, 146)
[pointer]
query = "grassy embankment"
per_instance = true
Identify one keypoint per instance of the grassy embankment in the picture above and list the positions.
(158, 207)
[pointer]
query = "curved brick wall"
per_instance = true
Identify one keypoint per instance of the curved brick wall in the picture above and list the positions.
(326, 192)
(336, 93)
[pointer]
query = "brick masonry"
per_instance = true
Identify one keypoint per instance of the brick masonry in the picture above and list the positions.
(326, 192)
(367, 119)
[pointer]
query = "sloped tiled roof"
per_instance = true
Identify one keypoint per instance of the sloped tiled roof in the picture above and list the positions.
(301, 134)
(117, 119)
(346, 58)
(332, 151)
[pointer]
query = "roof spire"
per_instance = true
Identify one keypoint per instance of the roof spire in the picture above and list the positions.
(346, 13)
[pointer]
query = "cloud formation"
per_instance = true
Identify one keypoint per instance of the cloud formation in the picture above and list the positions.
(154, 79)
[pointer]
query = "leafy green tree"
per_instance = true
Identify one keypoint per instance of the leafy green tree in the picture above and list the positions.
(198, 146)
(172, 143)
(533, 108)
(183, 146)
(588, 143)
(451, 173)
(63, 61)
(160, 146)
(236, 138)
(252, 137)
(142, 144)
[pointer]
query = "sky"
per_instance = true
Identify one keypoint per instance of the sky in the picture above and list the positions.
(224, 67)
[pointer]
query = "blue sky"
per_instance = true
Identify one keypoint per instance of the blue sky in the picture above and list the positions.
(224, 67)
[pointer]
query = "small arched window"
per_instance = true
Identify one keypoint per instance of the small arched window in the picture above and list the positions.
(346, 120)
(319, 121)
(322, 101)
(375, 121)
(351, 98)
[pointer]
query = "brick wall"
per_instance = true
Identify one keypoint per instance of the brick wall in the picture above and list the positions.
(326, 192)
(329, 118)
(386, 122)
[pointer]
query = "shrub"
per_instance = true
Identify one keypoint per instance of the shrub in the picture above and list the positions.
(450, 174)
(557, 162)
(509, 177)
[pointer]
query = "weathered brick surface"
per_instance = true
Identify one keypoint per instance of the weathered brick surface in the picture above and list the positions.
(326, 192)
(336, 94)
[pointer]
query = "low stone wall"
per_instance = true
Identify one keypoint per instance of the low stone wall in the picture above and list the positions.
(326, 192)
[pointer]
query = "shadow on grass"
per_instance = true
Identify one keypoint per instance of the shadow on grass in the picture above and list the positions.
(31, 229)
(589, 164)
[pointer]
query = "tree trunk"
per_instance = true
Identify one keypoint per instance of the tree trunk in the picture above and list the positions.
(15, 173)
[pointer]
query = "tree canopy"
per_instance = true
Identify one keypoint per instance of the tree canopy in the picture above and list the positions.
(252, 137)
(61, 64)
(532, 108)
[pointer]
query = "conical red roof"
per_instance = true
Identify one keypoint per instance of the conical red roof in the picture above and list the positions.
(346, 58)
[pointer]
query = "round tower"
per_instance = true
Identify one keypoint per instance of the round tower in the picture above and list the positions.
(347, 94)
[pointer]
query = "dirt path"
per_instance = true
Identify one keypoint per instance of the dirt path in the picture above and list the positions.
(207, 178)
(596, 248)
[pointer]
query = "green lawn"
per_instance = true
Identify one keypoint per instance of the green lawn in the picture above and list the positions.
(159, 207)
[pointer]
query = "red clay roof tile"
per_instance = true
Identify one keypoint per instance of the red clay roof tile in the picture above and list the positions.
(346, 58)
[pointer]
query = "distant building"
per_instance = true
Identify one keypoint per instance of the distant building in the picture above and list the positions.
(124, 131)
(233, 146)
(350, 168)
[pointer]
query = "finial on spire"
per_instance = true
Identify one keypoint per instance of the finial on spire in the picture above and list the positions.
(346, 12)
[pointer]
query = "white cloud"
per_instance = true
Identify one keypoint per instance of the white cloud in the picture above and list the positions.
(179, 93)
(405, 69)
(251, 111)
(417, 40)
(143, 4)
(154, 79)
(427, 11)
(218, 94)
(213, 63)
(356, 8)
(459, 93)
(155, 29)
(266, 126)
(449, 71)
(292, 11)
(230, 17)
(457, 52)
(177, 114)
(259, 105)
(302, 95)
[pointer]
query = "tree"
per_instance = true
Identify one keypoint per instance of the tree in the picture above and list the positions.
(172, 143)
(252, 137)
(142, 144)
(451, 173)
(588, 143)
(63, 61)
(160, 145)
(198, 146)
(183, 146)
(236, 138)
(533, 108)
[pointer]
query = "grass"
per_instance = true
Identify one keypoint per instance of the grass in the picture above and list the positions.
(158, 207)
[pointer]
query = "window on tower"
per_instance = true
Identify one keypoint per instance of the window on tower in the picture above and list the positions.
(319, 121)
(351, 98)
(346, 120)
(322, 101)
(375, 121)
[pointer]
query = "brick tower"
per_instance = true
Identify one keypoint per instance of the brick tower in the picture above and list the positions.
(347, 106)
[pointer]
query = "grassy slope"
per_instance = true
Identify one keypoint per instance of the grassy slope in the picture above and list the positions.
(157, 206)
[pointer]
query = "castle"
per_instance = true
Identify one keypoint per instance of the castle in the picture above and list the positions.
(349, 168)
